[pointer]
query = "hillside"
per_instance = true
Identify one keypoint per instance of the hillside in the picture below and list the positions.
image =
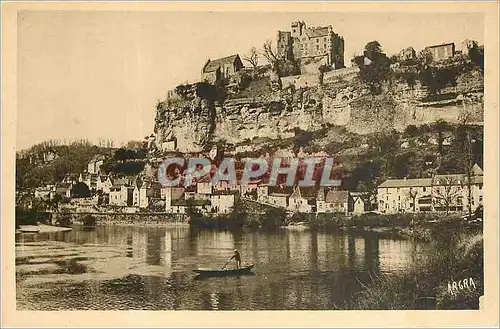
(265, 106)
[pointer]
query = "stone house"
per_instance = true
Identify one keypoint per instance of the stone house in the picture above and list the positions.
(439, 193)
(223, 202)
(334, 201)
(63, 189)
(302, 200)
(274, 195)
(221, 69)
(119, 193)
(359, 205)
(304, 42)
(441, 52)
(94, 165)
(45, 192)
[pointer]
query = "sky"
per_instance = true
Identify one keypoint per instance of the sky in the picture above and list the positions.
(98, 75)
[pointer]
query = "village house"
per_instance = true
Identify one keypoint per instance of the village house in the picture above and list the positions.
(441, 52)
(169, 146)
(302, 200)
(223, 202)
(440, 193)
(204, 187)
(249, 190)
(359, 205)
(45, 192)
(226, 186)
(172, 195)
(119, 193)
(64, 189)
(405, 195)
(91, 180)
(278, 196)
(146, 193)
(94, 166)
(71, 178)
(104, 183)
(334, 201)
(221, 69)
(304, 42)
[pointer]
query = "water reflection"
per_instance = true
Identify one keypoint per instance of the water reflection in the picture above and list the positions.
(151, 268)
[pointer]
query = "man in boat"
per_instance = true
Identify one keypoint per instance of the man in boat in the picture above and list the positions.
(236, 256)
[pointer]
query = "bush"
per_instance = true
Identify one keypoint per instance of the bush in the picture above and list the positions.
(424, 285)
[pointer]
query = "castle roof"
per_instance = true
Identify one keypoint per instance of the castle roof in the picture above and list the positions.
(317, 32)
(213, 65)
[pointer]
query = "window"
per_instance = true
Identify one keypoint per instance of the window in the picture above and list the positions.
(317, 40)
(294, 30)
(325, 39)
(317, 47)
(424, 189)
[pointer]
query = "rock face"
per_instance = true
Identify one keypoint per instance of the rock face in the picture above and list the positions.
(190, 120)
(200, 117)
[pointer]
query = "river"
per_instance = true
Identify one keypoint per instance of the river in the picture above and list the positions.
(150, 268)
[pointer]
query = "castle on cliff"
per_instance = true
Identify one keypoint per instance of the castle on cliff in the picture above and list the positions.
(318, 43)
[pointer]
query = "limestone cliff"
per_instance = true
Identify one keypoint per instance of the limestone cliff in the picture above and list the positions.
(197, 117)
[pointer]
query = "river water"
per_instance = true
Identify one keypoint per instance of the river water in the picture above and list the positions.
(144, 268)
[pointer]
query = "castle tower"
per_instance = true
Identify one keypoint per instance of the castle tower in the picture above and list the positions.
(297, 28)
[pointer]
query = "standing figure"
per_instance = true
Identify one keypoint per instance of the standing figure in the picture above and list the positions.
(236, 256)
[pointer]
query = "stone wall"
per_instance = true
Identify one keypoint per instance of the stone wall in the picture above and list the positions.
(140, 219)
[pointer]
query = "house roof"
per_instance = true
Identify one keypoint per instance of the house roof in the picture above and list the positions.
(97, 157)
(119, 182)
(317, 32)
(449, 179)
(193, 202)
(303, 193)
(476, 170)
(64, 185)
(337, 196)
(442, 45)
(224, 192)
(279, 195)
(279, 190)
(406, 182)
(213, 65)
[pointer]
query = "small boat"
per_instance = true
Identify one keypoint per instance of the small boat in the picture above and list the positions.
(247, 269)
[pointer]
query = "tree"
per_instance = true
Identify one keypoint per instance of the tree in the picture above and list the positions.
(270, 54)
(372, 50)
(465, 139)
(80, 190)
(447, 193)
(376, 69)
(252, 57)
(412, 194)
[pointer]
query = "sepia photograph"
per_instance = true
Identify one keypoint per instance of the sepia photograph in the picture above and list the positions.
(246, 160)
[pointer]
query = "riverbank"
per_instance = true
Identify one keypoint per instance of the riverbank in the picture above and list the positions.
(449, 276)
(121, 219)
